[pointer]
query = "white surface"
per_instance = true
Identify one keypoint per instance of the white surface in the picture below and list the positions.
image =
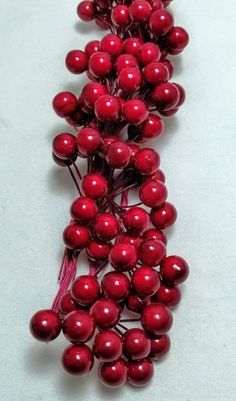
(198, 157)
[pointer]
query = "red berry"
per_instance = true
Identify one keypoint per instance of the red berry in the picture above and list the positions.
(98, 251)
(115, 286)
(67, 304)
(176, 39)
(112, 44)
(135, 111)
(64, 146)
(135, 303)
(85, 290)
(88, 141)
(169, 67)
(86, 10)
(160, 346)
(120, 15)
(149, 53)
(77, 360)
(155, 73)
(100, 64)
(163, 216)
(45, 325)
(169, 296)
(158, 176)
(123, 257)
(154, 233)
(92, 47)
(118, 154)
(156, 5)
(136, 220)
(161, 22)
(151, 128)
(153, 193)
(113, 374)
(106, 313)
(182, 95)
(105, 227)
(140, 11)
(92, 92)
(129, 239)
(140, 372)
(83, 210)
(65, 104)
(107, 108)
(156, 319)
(107, 140)
(76, 237)
(174, 270)
(124, 61)
(129, 79)
(78, 326)
(94, 185)
(151, 252)
(77, 61)
(147, 161)
(132, 46)
(145, 281)
(107, 346)
(136, 344)
(166, 96)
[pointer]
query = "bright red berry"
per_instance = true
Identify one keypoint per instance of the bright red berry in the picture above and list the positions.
(136, 344)
(151, 128)
(92, 92)
(92, 47)
(106, 313)
(156, 319)
(135, 303)
(118, 154)
(176, 39)
(88, 141)
(120, 15)
(132, 46)
(149, 53)
(65, 104)
(140, 11)
(154, 233)
(112, 44)
(161, 22)
(85, 290)
(135, 111)
(86, 10)
(174, 270)
(153, 193)
(155, 73)
(169, 296)
(78, 360)
(94, 185)
(135, 241)
(136, 220)
(147, 161)
(113, 374)
(77, 61)
(123, 257)
(107, 108)
(98, 251)
(45, 325)
(166, 96)
(67, 304)
(107, 346)
(78, 326)
(64, 146)
(105, 227)
(160, 346)
(151, 252)
(100, 64)
(115, 285)
(145, 281)
(76, 237)
(140, 372)
(163, 216)
(129, 79)
(83, 210)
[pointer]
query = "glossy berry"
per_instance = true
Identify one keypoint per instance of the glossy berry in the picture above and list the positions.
(115, 286)
(155, 73)
(112, 44)
(161, 22)
(120, 15)
(77, 61)
(85, 290)
(113, 374)
(65, 104)
(169, 296)
(94, 185)
(160, 346)
(149, 53)
(163, 216)
(140, 372)
(136, 344)
(154, 233)
(107, 108)
(106, 313)
(78, 360)
(76, 237)
(86, 10)
(158, 176)
(166, 96)
(92, 47)
(182, 95)
(145, 281)
(83, 210)
(123, 257)
(156, 5)
(107, 346)
(135, 241)
(134, 303)
(118, 154)
(169, 67)
(153, 193)
(174, 270)
(92, 92)
(151, 252)
(147, 161)
(135, 111)
(98, 251)
(156, 319)
(64, 146)
(105, 227)
(45, 325)
(132, 46)
(106, 141)
(100, 64)
(136, 220)
(125, 61)
(151, 128)
(67, 304)
(176, 39)
(140, 11)
(88, 141)
(129, 79)
(78, 326)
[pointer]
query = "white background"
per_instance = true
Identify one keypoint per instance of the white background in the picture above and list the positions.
(198, 153)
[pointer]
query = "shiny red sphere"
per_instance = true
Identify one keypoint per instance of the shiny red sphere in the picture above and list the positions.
(78, 326)
(85, 290)
(106, 313)
(158, 176)
(136, 220)
(161, 22)
(118, 154)
(134, 303)
(169, 67)
(132, 46)
(83, 210)
(113, 374)
(86, 10)
(105, 227)
(76, 237)
(166, 96)
(112, 44)
(94, 185)
(92, 92)
(140, 11)
(65, 104)
(125, 238)
(166, 295)
(145, 281)
(129, 79)
(100, 64)
(136, 344)
(160, 346)
(98, 251)
(120, 15)
(155, 73)
(89, 141)
(45, 325)
(64, 146)
(153, 193)
(182, 95)
(67, 304)
(78, 360)
(151, 128)
(107, 108)
(115, 286)
(135, 111)
(123, 257)
(151, 252)
(77, 61)
(163, 216)
(154, 233)
(125, 61)
(107, 346)
(140, 372)
(156, 319)
(92, 47)
(174, 270)
(177, 39)
(147, 161)
(149, 53)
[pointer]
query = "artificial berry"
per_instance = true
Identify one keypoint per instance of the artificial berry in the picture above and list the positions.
(140, 372)
(134, 303)
(64, 146)
(155, 73)
(98, 251)
(135, 111)
(157, 5)
(107, 346)
(169, 67)
(132, 46)
(107, 108)
(129, 79)
(145, 281)
(156, 319)
(159, 176)
(136, 220)
(123, 257)
(100, 64)
(106, 313)
(147, 161)
(88, 141)
(151, 252)
(92, 92)
(113, 374)
(166, 96)
(160, 346)
(78, 326)
(153, 193)
(140, 11)
(67, 304)
(77, 61)
(45, 325)
(65, 104)
(118, 154)
(105, 227)
(120, 15)
(135, 241)
(176, 40)
(83, 210)
(136, 344)
(174, 270)
(161, 22)
(86, 10)
(78, 360)
(169, 296)
(115, 286)
(151, 128)
(85, 290)
(154, 233)
(76, 237)
(149, 53)
(182, 95)
(163, 216)
(112, 44)
(124, 61)
(94, 185)
(106, 141)
(92, 47)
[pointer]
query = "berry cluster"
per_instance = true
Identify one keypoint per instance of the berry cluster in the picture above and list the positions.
(117, 111)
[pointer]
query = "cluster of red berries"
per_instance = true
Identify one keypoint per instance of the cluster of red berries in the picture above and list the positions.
(120, 107)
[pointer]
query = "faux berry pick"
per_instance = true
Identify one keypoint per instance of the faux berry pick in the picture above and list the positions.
(130, 278)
